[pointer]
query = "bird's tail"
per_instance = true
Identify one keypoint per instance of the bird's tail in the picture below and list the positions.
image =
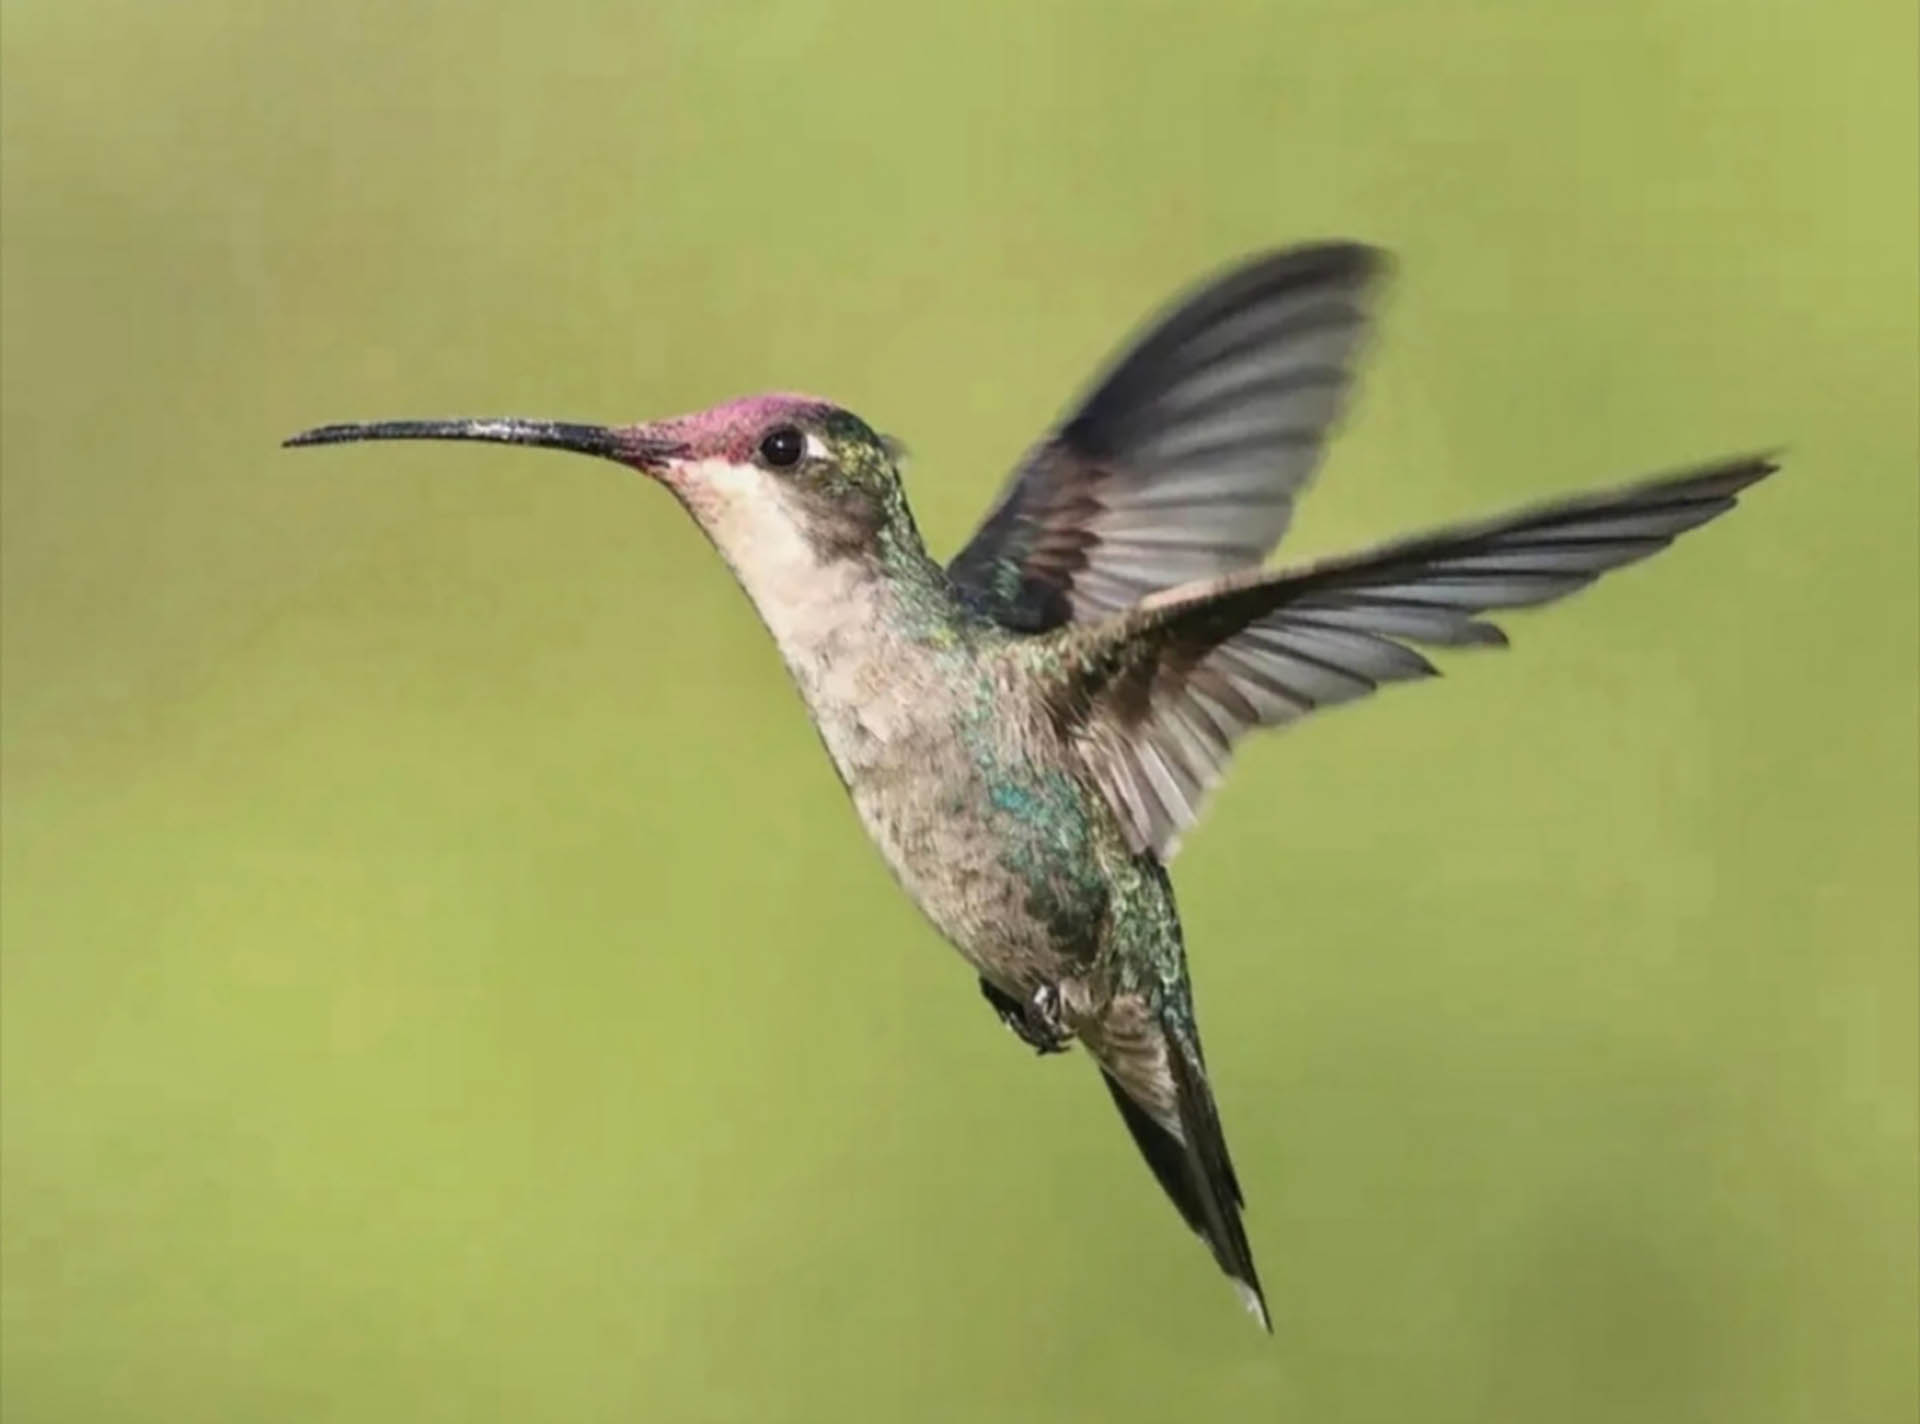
(1191, 1163)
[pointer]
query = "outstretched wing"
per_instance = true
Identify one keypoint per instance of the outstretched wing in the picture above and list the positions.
(1184, 461)
(1158, 696)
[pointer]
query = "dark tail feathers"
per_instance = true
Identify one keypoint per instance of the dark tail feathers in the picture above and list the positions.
(1197, 1174)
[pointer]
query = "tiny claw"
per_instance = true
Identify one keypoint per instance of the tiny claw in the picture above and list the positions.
(1044, 1015)
(1036, 1022)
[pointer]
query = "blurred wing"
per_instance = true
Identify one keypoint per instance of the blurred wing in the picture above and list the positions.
(1184, 461)
(1160, 695)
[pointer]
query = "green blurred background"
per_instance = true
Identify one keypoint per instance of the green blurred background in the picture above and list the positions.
(442, 979)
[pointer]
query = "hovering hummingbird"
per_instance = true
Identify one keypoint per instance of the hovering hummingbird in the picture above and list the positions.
(1027, 731)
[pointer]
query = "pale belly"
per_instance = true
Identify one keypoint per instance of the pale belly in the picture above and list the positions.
(994, 848)
(994, 856)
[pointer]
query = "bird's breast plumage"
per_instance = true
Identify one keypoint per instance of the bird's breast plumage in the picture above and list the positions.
(976, 805)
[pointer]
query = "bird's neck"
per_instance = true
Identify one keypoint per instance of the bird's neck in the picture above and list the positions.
(829, 602)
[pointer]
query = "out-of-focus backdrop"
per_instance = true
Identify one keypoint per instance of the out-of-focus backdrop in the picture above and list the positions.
(442, 978)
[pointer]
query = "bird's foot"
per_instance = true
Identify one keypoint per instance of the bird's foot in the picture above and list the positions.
(1036, 1021)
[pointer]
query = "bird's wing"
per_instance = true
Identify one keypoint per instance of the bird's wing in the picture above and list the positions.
(1151, 1061)
(1156, 697)
(1184, 460)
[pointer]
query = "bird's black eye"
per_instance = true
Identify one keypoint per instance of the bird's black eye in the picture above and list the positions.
(782, 447)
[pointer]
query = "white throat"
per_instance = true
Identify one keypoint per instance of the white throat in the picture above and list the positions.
(807, 603)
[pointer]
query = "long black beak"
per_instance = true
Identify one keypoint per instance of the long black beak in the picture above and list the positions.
(627, 446)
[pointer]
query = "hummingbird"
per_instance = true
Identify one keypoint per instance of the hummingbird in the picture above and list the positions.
(1026, 731)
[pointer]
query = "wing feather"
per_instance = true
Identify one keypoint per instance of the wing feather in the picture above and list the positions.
(1158, 695)
(1184, 460)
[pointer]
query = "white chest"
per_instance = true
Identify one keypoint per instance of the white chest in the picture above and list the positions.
(885, 701)
(833, 620)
